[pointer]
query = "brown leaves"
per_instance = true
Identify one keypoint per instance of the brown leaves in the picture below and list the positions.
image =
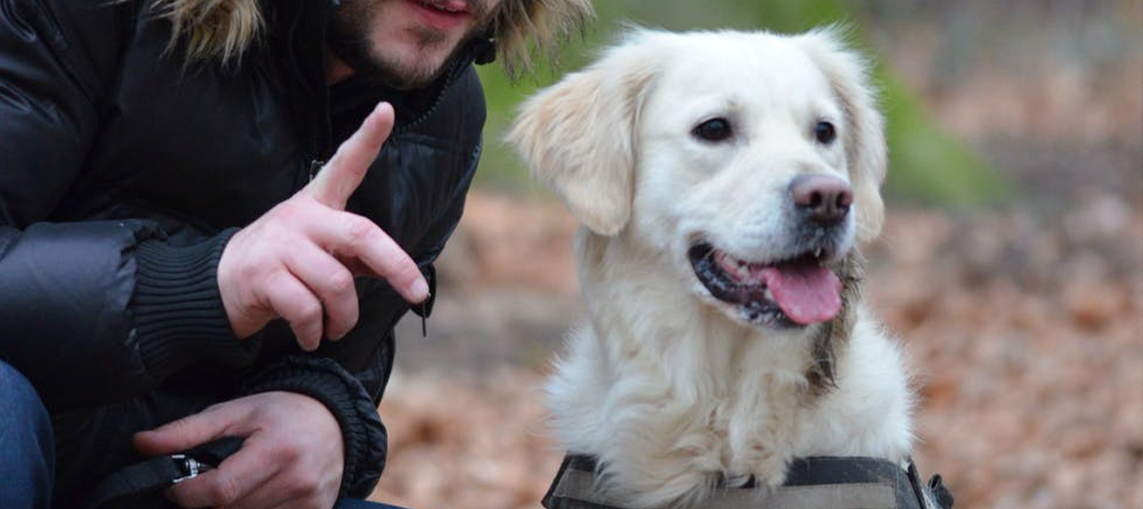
(1025, 334)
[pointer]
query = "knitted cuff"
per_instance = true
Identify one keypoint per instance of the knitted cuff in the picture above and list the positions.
(177, 309)
(361, 429)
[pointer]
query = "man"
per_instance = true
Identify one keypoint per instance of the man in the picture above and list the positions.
(174, 268)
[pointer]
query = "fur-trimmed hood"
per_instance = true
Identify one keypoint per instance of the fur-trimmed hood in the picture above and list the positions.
(224, 29)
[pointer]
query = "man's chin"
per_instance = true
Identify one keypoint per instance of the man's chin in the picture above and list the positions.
(405, 77)
(416, 69)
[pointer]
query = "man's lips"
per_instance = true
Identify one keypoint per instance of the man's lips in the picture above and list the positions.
(442, 14)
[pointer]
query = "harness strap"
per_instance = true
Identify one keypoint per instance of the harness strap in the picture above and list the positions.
(136, 483)
(142, 484)
(817, 482)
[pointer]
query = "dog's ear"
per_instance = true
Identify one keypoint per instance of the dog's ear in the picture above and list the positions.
(864, 136)
(579, 135)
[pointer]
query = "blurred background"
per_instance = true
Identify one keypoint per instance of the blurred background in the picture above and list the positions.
(1011, 265)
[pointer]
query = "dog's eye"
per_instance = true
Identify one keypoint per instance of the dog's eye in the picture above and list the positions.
(824, 132)
(715, 129)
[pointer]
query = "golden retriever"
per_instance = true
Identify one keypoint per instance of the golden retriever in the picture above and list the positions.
(724, 181)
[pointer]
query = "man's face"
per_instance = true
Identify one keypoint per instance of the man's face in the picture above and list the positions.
(406, 43)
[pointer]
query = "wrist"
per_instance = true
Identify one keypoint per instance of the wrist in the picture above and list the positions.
(229, 288)
(177, 310)
(363, 435)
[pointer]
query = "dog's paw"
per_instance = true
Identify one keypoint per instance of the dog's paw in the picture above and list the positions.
(770, 471)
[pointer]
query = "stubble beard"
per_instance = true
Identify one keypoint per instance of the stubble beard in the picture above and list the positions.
(350, 40)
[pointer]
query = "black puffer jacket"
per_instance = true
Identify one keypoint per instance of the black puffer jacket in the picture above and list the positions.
(123, 172)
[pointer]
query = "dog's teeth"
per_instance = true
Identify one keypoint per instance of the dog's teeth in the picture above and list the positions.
(818, 252)
(768, 294)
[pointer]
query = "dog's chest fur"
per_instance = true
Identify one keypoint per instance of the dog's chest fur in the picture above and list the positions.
(672, 397)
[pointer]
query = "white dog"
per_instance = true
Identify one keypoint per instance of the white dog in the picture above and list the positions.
(724, 180)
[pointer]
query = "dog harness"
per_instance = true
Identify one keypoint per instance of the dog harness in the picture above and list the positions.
(811, 483)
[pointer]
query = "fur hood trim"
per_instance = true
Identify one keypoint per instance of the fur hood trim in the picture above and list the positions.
(212, 29)
(224, 29)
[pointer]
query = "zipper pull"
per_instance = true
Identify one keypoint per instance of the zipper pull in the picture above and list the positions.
(424, 321)
(315, 167)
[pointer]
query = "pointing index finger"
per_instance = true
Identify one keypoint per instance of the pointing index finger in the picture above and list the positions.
(339, 178)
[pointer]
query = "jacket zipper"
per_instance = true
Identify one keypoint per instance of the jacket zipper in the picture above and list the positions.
(453, 73)
(316, 163)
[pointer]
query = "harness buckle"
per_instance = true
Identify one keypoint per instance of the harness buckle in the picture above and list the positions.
(191, 466)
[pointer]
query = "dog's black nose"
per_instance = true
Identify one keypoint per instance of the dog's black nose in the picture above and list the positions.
(824, 199)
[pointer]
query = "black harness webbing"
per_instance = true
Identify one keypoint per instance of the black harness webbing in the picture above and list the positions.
(141, 485)
(817, 482)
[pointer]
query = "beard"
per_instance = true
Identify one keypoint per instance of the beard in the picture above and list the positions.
(349, 39)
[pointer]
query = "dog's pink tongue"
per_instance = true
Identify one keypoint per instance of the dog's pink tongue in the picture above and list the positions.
(806, 292)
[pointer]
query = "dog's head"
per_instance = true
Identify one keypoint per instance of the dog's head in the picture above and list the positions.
(753, 160)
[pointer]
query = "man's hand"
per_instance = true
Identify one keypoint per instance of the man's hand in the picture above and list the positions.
(298, 260)
(292, 456)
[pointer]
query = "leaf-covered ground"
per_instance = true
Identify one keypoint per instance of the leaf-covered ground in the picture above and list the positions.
(1026, 335)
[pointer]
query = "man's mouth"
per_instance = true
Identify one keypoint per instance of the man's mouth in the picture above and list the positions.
(795, 291)
(447, 6)
(443, 14)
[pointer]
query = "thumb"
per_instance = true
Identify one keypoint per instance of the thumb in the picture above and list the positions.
(339, 177)
(190, 431)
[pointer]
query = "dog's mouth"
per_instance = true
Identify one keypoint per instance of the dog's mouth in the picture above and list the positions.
(798, 291)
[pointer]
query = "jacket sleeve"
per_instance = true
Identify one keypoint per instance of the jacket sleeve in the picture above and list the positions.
(363, 435)
(89, 311)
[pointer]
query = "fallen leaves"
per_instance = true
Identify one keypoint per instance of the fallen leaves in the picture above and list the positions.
(1026, 338)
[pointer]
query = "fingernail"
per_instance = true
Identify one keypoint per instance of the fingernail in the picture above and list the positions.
(419, 290)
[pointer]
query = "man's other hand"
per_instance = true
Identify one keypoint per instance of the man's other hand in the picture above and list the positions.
(292, 455)
(298, 260)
